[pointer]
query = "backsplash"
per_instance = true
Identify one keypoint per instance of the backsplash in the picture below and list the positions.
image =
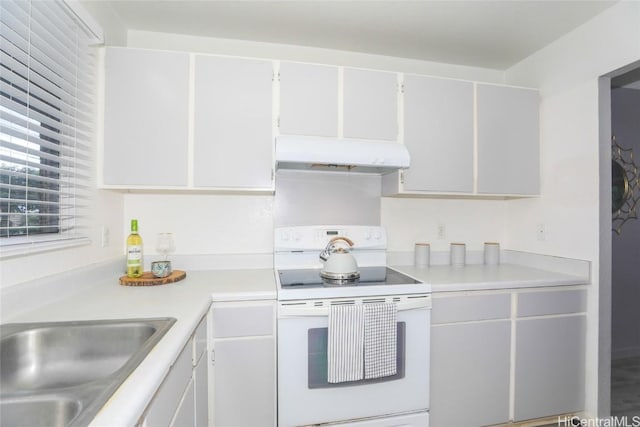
(326, 198)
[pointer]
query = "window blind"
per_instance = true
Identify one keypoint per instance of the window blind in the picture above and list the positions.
(46, 122)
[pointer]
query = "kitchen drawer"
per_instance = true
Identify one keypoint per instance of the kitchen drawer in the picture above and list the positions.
(235, 320)
(168, 397)
(467, 308)
(552, 302)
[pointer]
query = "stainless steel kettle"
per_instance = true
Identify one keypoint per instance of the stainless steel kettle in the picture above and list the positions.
(339, 263)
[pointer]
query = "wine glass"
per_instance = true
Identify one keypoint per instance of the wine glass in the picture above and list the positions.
(165, 244)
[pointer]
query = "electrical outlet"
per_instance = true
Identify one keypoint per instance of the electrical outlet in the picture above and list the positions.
(442, 231)
(105, 236)
(541, 233)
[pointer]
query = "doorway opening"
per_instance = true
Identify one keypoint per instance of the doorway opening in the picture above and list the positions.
(625, 245)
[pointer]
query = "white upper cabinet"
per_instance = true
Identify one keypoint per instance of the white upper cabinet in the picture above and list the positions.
(308, 99)
(459, 143)
(146, 118)
(232, 122)
(438, 132)
(370, 104)
(312, 102)
(180, 120)
(175, 120)
(508, 140)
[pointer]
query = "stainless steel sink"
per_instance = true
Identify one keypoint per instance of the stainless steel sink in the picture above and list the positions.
(62, 373)
(42, 412)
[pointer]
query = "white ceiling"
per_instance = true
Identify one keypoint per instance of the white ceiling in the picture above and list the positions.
(485, 33)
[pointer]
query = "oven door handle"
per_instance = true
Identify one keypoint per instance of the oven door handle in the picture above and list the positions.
(308, 309)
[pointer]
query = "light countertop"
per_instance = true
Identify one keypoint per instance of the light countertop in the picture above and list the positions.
(446, 278)
(187, 301)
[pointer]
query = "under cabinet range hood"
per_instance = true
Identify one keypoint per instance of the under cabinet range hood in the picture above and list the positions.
(340, 155)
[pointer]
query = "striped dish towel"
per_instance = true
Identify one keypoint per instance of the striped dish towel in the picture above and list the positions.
(380, 338)
(345, 345)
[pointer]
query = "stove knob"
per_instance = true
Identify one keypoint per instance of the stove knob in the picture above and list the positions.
(296, 237)
(367, 235)
(285, 236)
(377, 235)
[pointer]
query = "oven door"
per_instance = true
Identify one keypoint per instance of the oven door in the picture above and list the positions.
(304, 394)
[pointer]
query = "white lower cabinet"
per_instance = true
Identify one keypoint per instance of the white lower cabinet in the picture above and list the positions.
(243, 376)
(470, 358)
(470, 373)
(506, 356)
(185, 415)
(201, 388)
(178, 401)
(549, 360)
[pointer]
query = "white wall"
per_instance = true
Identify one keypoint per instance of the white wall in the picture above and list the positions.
(203, 223)
(473, 222)
(152, 40)
(625, 316)
(115, 33)
(573, 139)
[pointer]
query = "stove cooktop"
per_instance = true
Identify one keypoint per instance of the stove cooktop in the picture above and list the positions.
(369, 276)
(303, 284)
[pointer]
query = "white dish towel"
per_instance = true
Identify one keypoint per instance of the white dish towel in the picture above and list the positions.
(345, 346)
(380, 340)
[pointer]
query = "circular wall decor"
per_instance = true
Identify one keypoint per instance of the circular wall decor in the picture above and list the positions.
(625, 185)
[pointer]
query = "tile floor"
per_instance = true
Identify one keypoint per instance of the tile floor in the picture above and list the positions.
(625, 386)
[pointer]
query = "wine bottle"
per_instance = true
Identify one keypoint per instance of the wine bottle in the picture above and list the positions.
(135, 266)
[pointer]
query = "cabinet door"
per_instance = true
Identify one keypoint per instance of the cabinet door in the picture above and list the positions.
(438, 132)
(184, 416)
(164, 405)
(370, 104)
(145, 117)
(550, 363)
(508, 140)
(308, 99)
(200, 378)
(201, 374)
(470, 373)
(244, 382)
(232, 122)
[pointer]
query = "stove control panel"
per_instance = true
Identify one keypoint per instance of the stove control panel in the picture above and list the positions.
(316, 237)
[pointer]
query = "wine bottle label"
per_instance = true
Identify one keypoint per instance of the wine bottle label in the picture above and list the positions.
(134, 254)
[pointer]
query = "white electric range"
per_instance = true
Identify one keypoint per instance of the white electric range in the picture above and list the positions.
(305, 395)
(297, 264)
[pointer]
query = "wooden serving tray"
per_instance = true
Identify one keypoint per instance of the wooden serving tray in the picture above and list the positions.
(148, 279)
